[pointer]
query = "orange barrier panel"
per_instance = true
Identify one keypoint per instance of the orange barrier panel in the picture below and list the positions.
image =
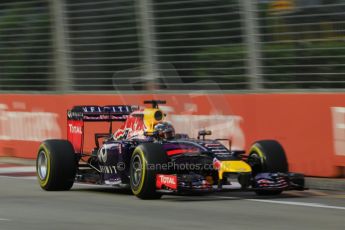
(311, 127)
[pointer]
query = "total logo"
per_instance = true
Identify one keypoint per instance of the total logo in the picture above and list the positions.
(75, 129)
(166, 181)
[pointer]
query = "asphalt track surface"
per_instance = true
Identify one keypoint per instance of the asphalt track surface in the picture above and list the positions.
(23, 205)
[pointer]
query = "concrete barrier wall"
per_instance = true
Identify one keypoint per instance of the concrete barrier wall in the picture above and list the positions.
(311, 127)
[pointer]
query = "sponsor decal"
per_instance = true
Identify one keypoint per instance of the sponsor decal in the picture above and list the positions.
(103, 155)
(133, 127)
(71, 114)
(217, 164)
(105, 150)
(75, 129)
(111, 109)
(166, 181)
(108, 169)
(75, 134)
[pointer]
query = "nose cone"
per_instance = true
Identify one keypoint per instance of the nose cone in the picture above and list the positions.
(233, 167)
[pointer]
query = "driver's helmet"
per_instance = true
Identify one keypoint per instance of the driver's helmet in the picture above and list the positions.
(164, 130)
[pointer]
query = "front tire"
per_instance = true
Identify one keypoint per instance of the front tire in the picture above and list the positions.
(145, 160)
(267, 156)
(56, 165)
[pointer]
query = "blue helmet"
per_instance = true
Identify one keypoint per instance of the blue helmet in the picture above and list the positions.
(164, 130)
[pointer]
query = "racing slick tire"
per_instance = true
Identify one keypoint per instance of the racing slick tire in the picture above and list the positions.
(56, 165)
(267, 156)
(143, 178)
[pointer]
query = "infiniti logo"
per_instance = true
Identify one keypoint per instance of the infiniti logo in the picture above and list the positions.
(102, 154)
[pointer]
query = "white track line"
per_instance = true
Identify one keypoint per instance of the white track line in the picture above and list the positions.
(18, 177)
(23, 169)
(304, 204)
(2, 219)
(314, 205)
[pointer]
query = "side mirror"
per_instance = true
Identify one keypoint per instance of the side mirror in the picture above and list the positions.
(202, 133)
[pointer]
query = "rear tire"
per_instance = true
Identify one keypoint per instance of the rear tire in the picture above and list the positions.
(267, 156)
(56, 165)
(142, 178)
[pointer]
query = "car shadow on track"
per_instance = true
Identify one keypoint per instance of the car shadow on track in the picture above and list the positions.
(233, 194)
(102, 189)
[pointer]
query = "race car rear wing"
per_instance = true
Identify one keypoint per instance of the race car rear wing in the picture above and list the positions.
(100, 113)
(92, 113)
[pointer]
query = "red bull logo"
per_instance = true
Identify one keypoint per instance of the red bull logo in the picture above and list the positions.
(217, 164)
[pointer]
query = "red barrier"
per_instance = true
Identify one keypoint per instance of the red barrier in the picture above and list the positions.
(311, 127)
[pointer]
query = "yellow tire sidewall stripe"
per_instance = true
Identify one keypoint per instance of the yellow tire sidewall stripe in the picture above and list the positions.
(257, 150)
(46, 152)
(140, 187)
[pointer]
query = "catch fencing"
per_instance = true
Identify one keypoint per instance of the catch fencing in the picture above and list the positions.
(131, 45)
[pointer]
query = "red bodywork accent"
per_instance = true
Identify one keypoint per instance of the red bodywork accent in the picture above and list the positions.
(217, 164)
(75, 130)
(133, 127)
(179, 151)
(166, 181)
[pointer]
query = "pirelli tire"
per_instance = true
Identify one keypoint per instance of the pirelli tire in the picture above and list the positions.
(56, 165)
(267, 156)
(145, 164)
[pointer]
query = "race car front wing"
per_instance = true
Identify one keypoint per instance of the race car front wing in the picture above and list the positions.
(192, 183)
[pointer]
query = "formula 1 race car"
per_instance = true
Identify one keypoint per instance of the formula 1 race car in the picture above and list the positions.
(147, 156)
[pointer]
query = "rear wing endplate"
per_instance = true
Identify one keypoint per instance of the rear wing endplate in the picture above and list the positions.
(92, 113)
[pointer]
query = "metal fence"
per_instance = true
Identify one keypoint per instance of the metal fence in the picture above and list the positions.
(116, 45)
